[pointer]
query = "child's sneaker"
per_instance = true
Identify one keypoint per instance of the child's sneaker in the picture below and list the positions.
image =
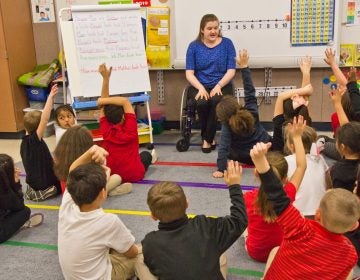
(40, 195)
(122, 189)
(34, 221)
(154, 156)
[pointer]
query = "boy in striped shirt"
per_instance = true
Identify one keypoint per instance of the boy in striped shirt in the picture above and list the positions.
(310, 249)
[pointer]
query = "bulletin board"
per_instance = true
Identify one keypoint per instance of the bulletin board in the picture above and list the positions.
(263, 27)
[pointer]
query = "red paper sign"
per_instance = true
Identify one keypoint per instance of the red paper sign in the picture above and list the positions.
(143, 3)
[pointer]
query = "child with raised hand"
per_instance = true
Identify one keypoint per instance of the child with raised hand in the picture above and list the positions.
(118, 126)
(14, 215)
(36, 157)
(92, 244)
(310, 249)
(297, 104)
(343, 172)
(76, 141)
(194, 248)
(313, 185)
(263, 233)
(241, 127)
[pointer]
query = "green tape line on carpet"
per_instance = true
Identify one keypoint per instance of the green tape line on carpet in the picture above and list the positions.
(231, 270)
(32, 245)
(245, 272)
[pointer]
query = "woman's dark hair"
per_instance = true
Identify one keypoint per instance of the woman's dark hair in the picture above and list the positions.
(7, 173)
(204, 20)
(75, 141)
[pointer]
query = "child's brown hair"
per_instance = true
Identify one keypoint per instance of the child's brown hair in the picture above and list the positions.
(167, 201)
(75, 141)
(85, 182)
(340, 210)
(32, 121)
(265, 207)
(240, 120)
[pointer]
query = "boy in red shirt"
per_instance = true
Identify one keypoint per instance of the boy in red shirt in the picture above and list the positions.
(310, 249)
(118, 126)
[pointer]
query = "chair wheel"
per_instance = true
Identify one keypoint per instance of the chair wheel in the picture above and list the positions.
(182, 145)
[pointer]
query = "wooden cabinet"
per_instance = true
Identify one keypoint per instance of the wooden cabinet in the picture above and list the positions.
(17, 56)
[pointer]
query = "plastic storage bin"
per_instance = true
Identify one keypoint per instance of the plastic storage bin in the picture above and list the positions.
(37, 93)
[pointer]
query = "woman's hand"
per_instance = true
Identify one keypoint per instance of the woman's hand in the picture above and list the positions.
(216, 91)
(218, 174)
(202, 94)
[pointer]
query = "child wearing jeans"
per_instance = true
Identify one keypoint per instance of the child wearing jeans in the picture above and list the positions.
(92, 244)
(186, 248)
(310, 249)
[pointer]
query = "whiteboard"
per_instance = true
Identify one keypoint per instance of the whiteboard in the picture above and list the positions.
(110, 34)
(267, 47)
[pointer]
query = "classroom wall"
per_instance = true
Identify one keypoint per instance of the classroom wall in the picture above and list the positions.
(320, 104)
(47, 48)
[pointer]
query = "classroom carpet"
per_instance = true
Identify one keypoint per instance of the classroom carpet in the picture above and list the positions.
(32, 253)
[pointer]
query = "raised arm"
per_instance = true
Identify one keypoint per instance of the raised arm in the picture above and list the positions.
(105, 73)
(95, 153)
(270, 183)
(296, 129)
(249, 89)
(354, 93)
(331, 61)
(230, 227)
(45, 116)
(279, 104)
(305, 67)
(336, 96)
(118, 101)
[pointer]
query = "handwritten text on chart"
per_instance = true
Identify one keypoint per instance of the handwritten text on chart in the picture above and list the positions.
(109, 36)
(124, 67)
(254, 24)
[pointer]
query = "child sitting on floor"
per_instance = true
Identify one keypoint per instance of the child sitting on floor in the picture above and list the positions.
(92, 244)
(313, 185)
(193, 248)
(262, 233)
(310, 249)
(14, 215)
(118, 126)
(76, 141)
(65, 118)
(343, 172)
(38, 162)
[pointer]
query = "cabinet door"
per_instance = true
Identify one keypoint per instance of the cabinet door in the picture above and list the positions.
(17, 56)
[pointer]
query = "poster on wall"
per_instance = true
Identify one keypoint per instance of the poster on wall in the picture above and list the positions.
(43, 11)
(353, 12)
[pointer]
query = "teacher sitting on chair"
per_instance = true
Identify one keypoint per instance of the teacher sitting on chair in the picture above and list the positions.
(210, 67)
